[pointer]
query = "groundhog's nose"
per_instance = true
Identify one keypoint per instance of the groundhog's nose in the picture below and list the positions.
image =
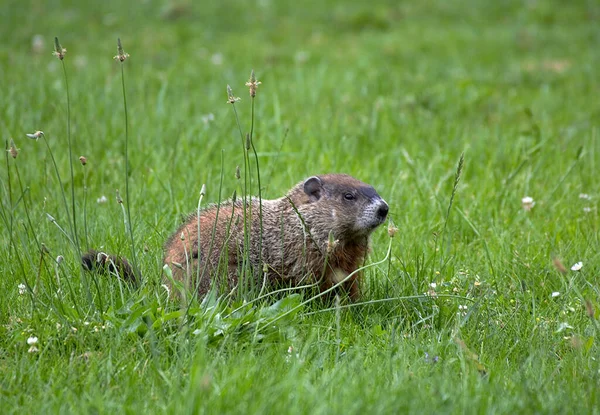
(383, 210)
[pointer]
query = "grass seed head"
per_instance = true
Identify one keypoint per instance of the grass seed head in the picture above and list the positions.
(231, 99)
(392, 230)
(13, 150)
(252, 84)
(59, 51)
(121, 55)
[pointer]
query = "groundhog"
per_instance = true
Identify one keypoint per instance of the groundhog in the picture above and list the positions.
(317, 234)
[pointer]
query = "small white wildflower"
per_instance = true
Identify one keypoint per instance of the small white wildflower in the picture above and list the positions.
(33, 349)
(102, 199)
(462, 307)
(32, 340)
(555, 294)
(22, 289)
(433, 285)
(584, 196)
(528, 203)
(588, 209)
(577, 266)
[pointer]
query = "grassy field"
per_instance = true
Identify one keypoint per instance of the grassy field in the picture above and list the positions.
(476, 309)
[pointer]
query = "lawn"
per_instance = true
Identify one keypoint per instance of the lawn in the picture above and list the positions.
(477, 121)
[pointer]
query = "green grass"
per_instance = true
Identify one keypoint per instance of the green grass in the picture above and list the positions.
(390, 92)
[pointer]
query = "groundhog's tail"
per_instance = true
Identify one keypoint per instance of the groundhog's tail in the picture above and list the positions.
(108, 264)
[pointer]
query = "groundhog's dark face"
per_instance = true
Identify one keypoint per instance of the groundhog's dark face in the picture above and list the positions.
(347, 207)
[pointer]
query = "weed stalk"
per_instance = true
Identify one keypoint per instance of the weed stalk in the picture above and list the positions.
(121, 57)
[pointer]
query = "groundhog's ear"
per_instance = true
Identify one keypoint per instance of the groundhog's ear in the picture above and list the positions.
(313, 188)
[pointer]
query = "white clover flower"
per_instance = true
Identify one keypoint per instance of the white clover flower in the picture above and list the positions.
(527, 203)
(433, 285)
(22, 289)
(33, 349)
(102, 199)
(577, 266)
(584, 196)
(555, 294)
(32, 340)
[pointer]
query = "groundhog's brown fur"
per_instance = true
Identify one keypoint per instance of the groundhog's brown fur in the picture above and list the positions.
(317, 233)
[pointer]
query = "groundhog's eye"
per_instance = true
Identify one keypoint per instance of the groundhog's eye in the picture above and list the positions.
(348, 196)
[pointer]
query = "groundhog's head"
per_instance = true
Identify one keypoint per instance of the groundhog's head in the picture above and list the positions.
(342, 205)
